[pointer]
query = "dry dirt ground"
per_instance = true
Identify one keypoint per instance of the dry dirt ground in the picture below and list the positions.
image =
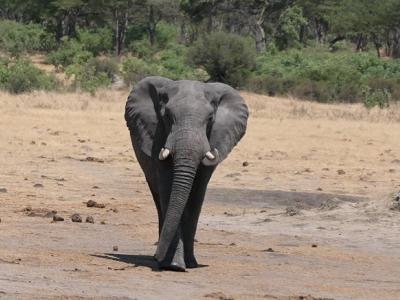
(307, 215)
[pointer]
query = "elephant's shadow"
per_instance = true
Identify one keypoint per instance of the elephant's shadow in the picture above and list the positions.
(135, 260)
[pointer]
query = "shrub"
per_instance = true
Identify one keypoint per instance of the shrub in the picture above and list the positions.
(290, 24)
(107, 66)
(22, 76)
(320, 75)
(142, 49)
(134, 69)
(17, 38)
(173, 61)
(71, 51)
(96, 41)
(93, 74)
(226, 57)
(379, 98)
(166, 34)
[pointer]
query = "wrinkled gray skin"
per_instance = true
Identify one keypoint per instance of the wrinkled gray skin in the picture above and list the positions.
(188, 118)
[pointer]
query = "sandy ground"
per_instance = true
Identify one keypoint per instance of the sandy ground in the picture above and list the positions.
(308, 215)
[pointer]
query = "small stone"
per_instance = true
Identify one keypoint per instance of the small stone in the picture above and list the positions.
(314, 245)
(76, 218)
(245, 164)
(269, 250)
(38, 185)
(319, 189)
(103, 222)
(3, 190)
(292, 211)
(341, 172)
(232, 244)
(91, 203)
(89, 219)
(57, 218)
(115, 248)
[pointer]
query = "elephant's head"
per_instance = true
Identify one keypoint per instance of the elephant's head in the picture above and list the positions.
(186, 123)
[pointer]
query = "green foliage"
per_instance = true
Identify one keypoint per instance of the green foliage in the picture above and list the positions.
(170, 62)
(22, 76)
(93, 74)
(71, 51)
(134, 69)
(88, 44)
(317, 74)
(166, 35)
(17, 38)
(380, 97)
(96, 41)
(226, 57)
(142, 48)
(290, 25)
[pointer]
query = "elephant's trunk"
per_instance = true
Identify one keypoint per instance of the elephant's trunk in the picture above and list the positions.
(184, 174)
(189, 147)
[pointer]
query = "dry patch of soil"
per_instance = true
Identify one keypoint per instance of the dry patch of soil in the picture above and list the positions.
(300, 210)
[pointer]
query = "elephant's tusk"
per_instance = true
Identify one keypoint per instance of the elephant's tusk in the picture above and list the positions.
(210, 156)
(164, 153)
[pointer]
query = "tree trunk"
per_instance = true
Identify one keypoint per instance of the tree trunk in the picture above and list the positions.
(59, 30)
(120, 30)
(261, 41)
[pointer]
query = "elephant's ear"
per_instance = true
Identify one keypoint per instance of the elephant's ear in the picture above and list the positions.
(141, 114)
(230, 120)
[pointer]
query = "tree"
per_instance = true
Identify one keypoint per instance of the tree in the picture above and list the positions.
(225, 56)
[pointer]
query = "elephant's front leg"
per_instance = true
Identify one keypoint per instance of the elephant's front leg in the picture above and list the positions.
(175, 259)
(191, 214)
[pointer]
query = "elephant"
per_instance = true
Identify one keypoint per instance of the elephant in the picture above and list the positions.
(180, 131)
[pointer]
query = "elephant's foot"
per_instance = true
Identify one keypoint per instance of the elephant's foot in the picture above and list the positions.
(175, 265)
(191, 262)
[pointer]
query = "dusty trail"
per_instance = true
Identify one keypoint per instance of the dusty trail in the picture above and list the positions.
(308, 215)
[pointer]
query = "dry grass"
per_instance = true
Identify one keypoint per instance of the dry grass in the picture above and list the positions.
(290, 108)
(260, 106)
(103, 100)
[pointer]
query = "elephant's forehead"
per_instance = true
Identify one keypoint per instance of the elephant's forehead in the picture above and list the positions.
(186, 89)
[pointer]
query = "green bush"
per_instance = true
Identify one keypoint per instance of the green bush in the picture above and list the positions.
(93, 74)
(142, 49)
(22, 76)
(320, 75)
(70, 52)
(96, 41)
(134, 69)
(226, 57)
(166, 34)
(380, 97)
(107, 66)
(17, 38)
(291, 23)
(173, 60)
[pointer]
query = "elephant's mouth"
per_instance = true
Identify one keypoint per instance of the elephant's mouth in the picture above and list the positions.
(210, 158)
